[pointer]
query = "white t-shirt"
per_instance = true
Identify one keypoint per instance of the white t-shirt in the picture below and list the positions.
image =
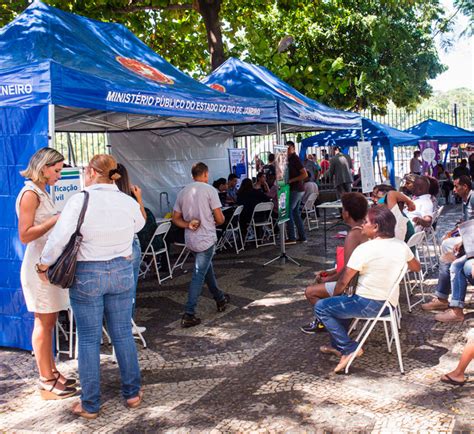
(379, 263)
(197, 201)
(424, 207)
(110, 222)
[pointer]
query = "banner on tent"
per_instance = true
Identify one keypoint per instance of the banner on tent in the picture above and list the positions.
(366, 166)
(238, 162)
(69, 185)
(429, 155)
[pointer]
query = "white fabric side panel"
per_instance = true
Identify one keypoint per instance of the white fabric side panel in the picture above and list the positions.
(163, 163)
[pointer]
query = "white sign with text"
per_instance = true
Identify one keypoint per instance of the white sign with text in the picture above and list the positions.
(69, 185)
(366, 166)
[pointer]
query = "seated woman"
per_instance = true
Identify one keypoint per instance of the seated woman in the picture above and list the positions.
(249, 197)
(444, 179)
(378, 262)
(221, 186)
(354, 210)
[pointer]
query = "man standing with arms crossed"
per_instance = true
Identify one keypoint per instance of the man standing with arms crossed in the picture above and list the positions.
(198, 210)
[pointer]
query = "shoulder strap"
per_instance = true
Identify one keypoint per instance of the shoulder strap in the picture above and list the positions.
(83, 212)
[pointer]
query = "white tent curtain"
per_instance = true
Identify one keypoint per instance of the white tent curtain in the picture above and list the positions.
(159, 162)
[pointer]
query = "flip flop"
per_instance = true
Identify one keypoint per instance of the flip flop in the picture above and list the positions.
(448, 380)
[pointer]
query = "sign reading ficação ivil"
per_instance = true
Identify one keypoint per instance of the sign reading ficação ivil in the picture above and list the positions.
(69, 185)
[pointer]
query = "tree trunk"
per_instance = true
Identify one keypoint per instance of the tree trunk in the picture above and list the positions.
(209, 10)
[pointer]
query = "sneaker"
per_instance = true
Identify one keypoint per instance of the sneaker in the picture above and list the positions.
(303, 241)
(435, 304)
(189, 321)
(138, 330)
(222, 304)
(450, 315)
(313, 327)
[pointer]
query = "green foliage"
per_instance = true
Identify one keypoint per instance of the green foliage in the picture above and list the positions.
(350, 54)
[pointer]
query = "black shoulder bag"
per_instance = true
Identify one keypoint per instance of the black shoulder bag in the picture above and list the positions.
(62, 272)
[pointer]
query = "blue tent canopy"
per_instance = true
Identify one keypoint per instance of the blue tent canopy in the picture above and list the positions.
(49, 56)
(380, 135)
(63, 72)
(444, 133)
(296, 111)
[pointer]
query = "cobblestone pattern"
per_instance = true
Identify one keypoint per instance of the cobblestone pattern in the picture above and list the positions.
(251, 369)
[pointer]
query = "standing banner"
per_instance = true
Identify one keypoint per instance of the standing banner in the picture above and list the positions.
(281, 170)
(429, 155)
(69, 185)
(366, 166)
(238, 162)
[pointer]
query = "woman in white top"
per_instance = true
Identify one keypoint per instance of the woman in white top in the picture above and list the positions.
(378, 263)
(103, 285)
(36, 216)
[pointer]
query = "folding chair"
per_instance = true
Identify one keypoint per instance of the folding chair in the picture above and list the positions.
(183, 256)
(432, 236)
(414, 241)
(264, 213)
(232, 233)
(68, 335)
(310, 210)
(390, 318)
(161, 231)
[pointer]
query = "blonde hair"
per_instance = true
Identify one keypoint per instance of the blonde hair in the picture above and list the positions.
(44, 157)
(106, 166)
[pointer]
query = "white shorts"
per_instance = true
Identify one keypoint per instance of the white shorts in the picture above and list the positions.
(330, 287)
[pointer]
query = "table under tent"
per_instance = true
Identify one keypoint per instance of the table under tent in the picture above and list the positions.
(381, 136)
(63, 72)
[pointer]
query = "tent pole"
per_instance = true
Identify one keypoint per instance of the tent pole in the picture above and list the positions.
(51, 126)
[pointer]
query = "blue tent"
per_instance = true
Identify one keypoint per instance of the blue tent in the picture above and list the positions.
(296, 111)
(380, 135)
(444, 133)
(63, 72)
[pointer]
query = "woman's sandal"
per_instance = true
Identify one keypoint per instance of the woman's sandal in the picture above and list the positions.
(448, 380)
(69, 381)
(77, 410)
(135, 401)
(52, 392)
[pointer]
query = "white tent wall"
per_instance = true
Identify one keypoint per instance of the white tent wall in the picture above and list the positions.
(162, 163)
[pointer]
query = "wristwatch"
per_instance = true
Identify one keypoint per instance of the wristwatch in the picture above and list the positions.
(39, 270)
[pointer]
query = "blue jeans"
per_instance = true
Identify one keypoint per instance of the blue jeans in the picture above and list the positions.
(203, 272)
(295, 216)
(336, 314)
(136, 259)
(104, 288)
(453, 278)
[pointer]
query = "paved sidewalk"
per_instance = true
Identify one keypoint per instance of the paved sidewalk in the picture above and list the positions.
(251, 369)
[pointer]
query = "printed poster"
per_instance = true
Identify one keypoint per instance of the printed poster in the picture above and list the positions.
(366, 166)
(281, 169)
(69, 185)
(429, 155)
(238, 162)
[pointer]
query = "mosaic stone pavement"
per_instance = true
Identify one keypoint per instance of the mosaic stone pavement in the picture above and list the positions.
(251, 369)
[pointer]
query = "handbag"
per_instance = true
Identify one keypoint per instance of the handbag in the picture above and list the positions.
(63, 271)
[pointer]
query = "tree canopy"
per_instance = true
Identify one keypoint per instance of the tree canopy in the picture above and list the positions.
(350, 54)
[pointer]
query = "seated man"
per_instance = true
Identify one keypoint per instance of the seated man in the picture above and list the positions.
(232, 181)
(379, 262)
(462, 189)
(309, 188)
(354, 210)
(453, 278)
(422, 216)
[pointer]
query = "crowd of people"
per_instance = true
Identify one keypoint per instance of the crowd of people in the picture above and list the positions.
(367, 266)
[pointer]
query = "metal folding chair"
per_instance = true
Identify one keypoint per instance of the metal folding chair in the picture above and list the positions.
(232, 234)
(161, 231)
(182, 257)
(414, 241)
(391, 319)
(265, 224)
(309, 209)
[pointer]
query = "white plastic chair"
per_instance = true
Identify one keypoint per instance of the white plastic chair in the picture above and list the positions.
(232, 234)
(391, 318)
(161, 231)
(310, 211)
(263, 209)
(414, 241)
